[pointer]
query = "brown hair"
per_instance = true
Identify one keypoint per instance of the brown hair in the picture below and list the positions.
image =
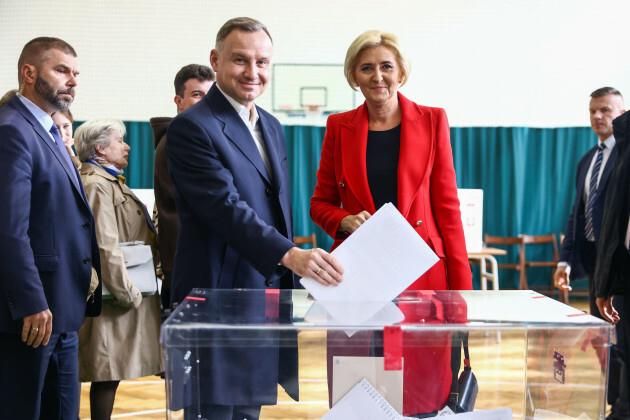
(245, 24)
(35, 52)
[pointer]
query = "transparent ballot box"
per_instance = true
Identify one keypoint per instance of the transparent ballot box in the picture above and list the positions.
(278, 354)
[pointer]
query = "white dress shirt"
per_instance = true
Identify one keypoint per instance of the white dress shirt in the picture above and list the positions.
(610, 144)
(250, 118)
(40, 115)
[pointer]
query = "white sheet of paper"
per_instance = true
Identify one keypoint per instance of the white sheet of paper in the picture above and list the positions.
(362, 402)
(541, 414)
(380, 260)
(354, 313)
(492, 414)
(349, 370)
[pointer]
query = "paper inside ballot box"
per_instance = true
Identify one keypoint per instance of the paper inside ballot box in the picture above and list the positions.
(364, 402)
(350, 370)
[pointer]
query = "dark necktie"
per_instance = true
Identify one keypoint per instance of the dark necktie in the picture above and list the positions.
(588, 226)
(64, 152)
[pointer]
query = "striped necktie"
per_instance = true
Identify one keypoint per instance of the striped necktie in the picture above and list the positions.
(588, 226)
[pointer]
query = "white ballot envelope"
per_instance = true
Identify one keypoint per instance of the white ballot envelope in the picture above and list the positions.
(354, 313)
(380, 260)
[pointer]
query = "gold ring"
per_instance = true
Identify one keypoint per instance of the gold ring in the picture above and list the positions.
(317, 272)
(35, 329)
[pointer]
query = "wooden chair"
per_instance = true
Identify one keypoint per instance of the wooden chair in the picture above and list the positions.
(551, 263)
(519, 266)
(306, 240)
(522, 263)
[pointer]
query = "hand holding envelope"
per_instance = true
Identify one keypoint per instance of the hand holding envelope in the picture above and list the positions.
(380, 260)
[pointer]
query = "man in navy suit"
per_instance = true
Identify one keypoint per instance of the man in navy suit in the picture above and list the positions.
(579, 248)
(612, 274)
(228, 161)
(47, 243)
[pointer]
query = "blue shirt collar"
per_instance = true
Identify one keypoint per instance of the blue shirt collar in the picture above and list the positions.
(40, 115)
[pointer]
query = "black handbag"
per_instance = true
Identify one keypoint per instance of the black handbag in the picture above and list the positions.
(464, 389)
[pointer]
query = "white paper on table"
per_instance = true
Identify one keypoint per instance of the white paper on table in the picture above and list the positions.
(380, 260)
(541, 414)
(492, 414)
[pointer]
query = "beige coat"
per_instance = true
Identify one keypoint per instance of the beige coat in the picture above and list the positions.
(123, 342)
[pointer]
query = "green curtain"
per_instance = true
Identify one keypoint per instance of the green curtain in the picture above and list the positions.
(528, 178)
(527, 174)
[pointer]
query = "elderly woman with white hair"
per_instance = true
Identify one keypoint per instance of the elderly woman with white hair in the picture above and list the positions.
(123, 342)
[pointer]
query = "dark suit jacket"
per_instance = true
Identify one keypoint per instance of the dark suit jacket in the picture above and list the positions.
(47, 239)
(164, 196)
(235, 219)
(612, 254)
(574, 247)
(427, 191)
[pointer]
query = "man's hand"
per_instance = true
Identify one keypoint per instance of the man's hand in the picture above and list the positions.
(607, 310)
(561, 278)
(37, 328)
(351, 223)
(314, 263)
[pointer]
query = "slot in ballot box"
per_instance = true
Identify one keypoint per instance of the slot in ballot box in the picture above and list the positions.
(281, 352)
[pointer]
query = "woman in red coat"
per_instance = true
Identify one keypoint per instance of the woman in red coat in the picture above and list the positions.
(391, 149)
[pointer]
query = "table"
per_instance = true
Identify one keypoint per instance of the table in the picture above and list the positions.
(486, 255)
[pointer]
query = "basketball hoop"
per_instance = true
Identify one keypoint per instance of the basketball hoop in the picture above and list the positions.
(315, 109)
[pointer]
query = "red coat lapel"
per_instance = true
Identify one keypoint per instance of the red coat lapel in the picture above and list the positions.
(416, 151)
(353, 137)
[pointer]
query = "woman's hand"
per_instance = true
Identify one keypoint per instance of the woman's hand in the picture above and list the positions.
(351, 223)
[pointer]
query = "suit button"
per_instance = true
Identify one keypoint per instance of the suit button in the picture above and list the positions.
(419, 222)
(268, 192)
(85, 226)
(139, 212)
(87, 261)
(268, 283)
(342, 185)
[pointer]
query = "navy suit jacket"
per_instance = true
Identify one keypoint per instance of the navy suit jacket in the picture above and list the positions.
(234, 227)
(613, 257)
(47, 237)
(574, 249)
(235, 218)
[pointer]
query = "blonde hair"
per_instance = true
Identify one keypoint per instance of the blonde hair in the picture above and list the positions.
(371, 39)
(95, 133)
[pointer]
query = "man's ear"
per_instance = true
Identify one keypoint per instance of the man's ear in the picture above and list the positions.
(214, 59)
(178, 101)
(28, 73)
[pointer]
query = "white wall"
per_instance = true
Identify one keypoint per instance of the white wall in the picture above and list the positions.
(488, 62)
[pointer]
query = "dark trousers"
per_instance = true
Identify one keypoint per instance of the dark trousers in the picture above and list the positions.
(625, 351)
(41, 383)
(617, 395)
(222, 412)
